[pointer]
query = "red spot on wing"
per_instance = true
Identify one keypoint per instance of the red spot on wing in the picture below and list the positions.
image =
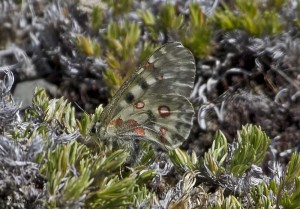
(132, 122)
(139, 131)
(117, 122)
(139, 105)
(160, 77)
(150, 66)
(164, 111)
(163, 132)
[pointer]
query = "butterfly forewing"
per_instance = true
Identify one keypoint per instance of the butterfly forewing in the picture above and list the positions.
(152, 104)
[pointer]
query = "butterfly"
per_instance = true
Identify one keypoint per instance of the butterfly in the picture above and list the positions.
(152, 105)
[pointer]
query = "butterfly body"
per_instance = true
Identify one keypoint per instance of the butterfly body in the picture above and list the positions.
(152, 104)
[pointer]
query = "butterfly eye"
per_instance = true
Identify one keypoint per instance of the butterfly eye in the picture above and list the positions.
(93, 129)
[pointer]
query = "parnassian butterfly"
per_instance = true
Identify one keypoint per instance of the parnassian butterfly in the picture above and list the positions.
(152, 104)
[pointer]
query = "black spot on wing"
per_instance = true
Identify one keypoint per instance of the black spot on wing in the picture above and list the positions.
(143, 84)
(129, 97)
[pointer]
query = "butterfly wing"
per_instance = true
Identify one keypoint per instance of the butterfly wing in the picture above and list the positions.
(152, 103)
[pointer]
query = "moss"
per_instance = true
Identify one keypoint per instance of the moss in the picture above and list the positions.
(252, 17)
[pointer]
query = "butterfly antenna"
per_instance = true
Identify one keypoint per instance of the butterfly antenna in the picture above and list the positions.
(80, 107)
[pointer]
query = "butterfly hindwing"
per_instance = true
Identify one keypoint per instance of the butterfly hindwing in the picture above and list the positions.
(152, 104)
(167, 124)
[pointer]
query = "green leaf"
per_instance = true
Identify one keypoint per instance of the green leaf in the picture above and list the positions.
(168, 19)
(96, 18)
(216, 155)
(252, 144)
(293, 171)
(181, 159)
(147, 17)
